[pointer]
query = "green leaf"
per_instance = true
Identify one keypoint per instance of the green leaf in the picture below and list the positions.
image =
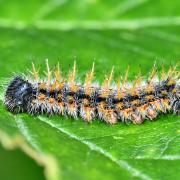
(111, 33)
(18, 170)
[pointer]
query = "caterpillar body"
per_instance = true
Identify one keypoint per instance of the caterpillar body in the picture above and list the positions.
(124, 102)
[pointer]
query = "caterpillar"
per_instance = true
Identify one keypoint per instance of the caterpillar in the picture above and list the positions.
(126, 102)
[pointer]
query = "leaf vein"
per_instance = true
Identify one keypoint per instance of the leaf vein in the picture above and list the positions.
(121, 163)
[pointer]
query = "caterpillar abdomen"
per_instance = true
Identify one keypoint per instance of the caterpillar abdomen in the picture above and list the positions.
(127, 103)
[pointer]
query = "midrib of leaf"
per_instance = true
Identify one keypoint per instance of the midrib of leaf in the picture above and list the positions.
(93, 25)
(93, 146)
(89, 25)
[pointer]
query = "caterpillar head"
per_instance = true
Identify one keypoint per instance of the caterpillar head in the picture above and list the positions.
(18, 95)
(176, 102)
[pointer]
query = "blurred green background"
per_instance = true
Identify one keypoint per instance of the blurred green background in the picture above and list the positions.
(109, 32)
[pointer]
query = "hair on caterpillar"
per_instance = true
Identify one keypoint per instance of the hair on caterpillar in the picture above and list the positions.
(122, 101)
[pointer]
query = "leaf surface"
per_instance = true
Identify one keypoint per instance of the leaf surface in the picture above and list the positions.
(118, 33)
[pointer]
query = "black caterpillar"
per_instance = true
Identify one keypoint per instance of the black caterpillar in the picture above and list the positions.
(128, 103)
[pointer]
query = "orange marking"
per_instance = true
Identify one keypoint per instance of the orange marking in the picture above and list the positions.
(174, 91)
(141, 109)
(72, 109)
(166, 103)
(102, 105)
(61, 105)
(89, 90)
(51, 100)
(171, 82)
(85, 102)
(133, 91)
(149, 97)
(110, 116)
(127, 112)
(158, 105)
(56, 86)
(149, 88)
(164, 92)
(60, 85)
(151, 114)
(59, 97)
(41, 97)
(74, 88)
(144, 107)
(42, 86)
(52, 87)
(137, 119)
(136, 102)
(119, 106)
(70, 99)
(88, 114)
(105, 93)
